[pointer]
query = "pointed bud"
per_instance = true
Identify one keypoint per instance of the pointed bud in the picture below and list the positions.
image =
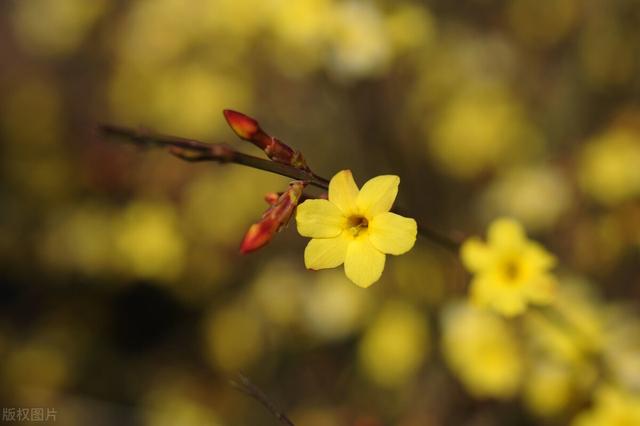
(249, 129)
(276, 216)
(271, 198)
(258, 235)
(243, 125)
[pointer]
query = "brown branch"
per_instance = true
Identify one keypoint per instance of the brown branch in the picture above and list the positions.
(439, 239)
(195, 151)
(244, 385)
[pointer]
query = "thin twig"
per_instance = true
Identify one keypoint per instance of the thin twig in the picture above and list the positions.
(194, 151)
(244, 385)
(438, 238)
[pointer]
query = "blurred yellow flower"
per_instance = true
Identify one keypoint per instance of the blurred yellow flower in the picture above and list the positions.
(359, 43)
(234, 337)
(608, 168)
(333, 310)
(481, 126)
(509, 270)
(575, 334)
(516, 193)
(548, 388)
(482, 350)
(395, 345)
(148, 242)
(355, 227)
(613, 407)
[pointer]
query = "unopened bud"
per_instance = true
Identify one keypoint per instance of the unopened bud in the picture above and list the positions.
(276, 216)
(271, 198)
(243, 125)
(249, 129)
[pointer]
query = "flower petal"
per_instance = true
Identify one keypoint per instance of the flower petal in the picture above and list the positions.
(538, 257)
(509, 303)
(476, 255)
(377, 195)
(343, 192)
(363, 263)
(542, 289)
(392, 234)
(319, 219)
(485, 292)
(322, 253)
(506, 235)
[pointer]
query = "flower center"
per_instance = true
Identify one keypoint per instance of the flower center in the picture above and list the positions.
(357, 224)
(512, 270)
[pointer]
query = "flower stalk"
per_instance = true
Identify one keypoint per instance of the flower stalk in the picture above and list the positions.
(283, 160)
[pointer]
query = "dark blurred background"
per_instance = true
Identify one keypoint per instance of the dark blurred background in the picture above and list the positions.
(124, 300)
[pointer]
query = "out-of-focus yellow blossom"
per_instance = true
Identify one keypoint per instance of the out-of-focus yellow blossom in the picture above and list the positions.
(148, 241)
(359, 43)
(577, 331)
(38, 364)
(608, 169)
(395, 345)
(516, 193)
(334, 310)
(410, 26)
(613, 407)
(478, 129)
(301, 28)
(278, 292)
(568, 339)
(509, 270)
(181, 100)
(175, 400)
(355, 227)
(622, 347)
(155, 33)
(548, 388)
(67, 23)
(81, 240)
(459, 64)
(234, 19)
(482, 351)
(234, 338)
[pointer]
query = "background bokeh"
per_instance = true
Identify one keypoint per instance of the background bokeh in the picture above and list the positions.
(124, 300)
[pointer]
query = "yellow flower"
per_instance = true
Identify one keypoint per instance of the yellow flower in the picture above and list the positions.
(355, 227)
(510, 270)
(613, 407)
(482, 350)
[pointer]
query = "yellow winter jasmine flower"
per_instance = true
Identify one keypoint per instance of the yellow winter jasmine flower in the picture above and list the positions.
(355, 227)
(509, 269)
(613, 407)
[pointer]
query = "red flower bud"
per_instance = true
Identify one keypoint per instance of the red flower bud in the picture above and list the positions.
(271, 198)
(243, 125)
(249, 129)
(276, 216)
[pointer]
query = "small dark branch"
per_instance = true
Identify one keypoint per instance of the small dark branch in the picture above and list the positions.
(244, 385)
(438, 238)
(193, 150)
